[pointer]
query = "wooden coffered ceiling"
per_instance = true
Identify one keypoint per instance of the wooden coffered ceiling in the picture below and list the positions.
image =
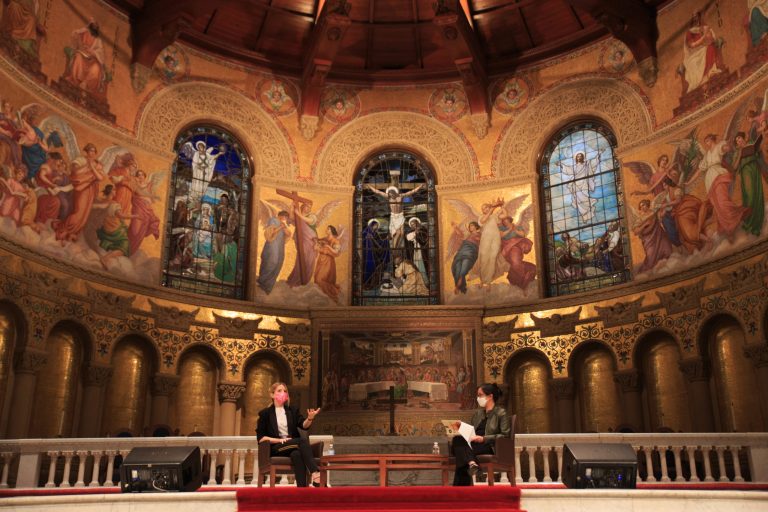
(391, 41)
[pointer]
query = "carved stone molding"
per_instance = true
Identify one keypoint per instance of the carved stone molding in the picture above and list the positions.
(612, 100)
(498, 331)
(295, 333)
(557, 324)
(30, 361)
(629, 380)
(451, 155)
(758, 354)
(695, 369)
(109, 303)
(230, 392)
(308, 126)
(746, 278)
(164, 385)
(620, 313)
(480, 123)
(682, 299)
(96, 375)
(179, 105)
(236, 327)
(41, 279)
(171, 317)
(563, 388)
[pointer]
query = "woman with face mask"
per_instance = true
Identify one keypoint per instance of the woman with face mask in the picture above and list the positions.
(490, 422)
(279, 424)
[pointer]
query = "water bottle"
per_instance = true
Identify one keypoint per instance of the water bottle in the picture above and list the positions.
(331, 451)
(435, 449)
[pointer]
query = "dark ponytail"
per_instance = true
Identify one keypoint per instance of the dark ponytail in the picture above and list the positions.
(493, 390)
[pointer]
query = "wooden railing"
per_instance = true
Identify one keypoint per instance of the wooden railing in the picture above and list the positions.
(230, 461)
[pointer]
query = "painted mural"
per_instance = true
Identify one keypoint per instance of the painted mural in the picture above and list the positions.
(302, 241)
(489, 255)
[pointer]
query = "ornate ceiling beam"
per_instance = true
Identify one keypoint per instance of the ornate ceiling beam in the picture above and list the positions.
(460, 41)
(155, 26)
(632, 22)
(324, 44)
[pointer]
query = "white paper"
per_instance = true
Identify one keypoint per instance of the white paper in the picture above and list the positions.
(467, 431)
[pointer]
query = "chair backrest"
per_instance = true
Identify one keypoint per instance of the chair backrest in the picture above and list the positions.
(505, 446)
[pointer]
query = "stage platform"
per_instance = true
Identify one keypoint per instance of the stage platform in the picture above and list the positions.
(533, 500)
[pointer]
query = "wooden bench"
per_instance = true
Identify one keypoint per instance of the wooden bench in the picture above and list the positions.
(383, 463)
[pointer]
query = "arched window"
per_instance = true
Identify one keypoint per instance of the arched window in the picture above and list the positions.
(395, 257)
(207, 232)
(586, 239)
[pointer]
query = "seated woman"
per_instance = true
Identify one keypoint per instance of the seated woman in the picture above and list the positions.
(279, 424)
(490, 422)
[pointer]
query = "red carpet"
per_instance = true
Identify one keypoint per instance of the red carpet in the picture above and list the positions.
(399, 499)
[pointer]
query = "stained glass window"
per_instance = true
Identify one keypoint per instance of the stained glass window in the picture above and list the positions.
(206, 238)
(395, 257)
(586, 239)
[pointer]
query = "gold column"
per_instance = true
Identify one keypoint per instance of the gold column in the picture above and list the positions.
(126, 397)
(229, 394)
(57, 383)
(258, 379)
(564, 390)
(758, 354)
(665, 388)
(631, 401)
(529, 396)
(197, 398)
(696, 372)
(162, 387)
(598, 397)
(7, 343)
(28, 364)
(95, 377)
(735, 381)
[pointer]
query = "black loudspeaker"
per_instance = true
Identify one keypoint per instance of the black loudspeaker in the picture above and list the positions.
(161, 469)
(599, 466)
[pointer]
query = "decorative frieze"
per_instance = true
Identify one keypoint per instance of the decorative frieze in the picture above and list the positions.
(230, 392)
(498, 331)
(30, 361)
(171, 317)
(563, 388)
(683, 298)
(557, 324)
(746, 278)
(629, 380)
(295, 333)
(236, 327)
(696, 369)
(52, 284)
(620, 313)
(108, 303)
(96, 375)
(164, 385)
(758, 354)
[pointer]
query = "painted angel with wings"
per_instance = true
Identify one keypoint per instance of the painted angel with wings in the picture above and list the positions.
(203, 161)
(492, 238)
(277, 231)
(328, 249)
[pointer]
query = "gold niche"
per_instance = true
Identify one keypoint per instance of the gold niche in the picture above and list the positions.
(600, 408)
(665, 387)
(126, 395)
(197, 386)
(7, 342)
(57, 384)
(259, 376)
(530, 395)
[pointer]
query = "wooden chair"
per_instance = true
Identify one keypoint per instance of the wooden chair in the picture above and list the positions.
(502, 460)
(279, 464)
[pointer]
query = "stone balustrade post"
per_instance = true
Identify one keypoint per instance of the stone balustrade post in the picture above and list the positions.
(28, 363)
(696, 372)
(564, 392)
(162, 388)
(631, 403)
(95, 379)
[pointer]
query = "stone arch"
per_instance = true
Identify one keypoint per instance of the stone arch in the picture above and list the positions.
(157, 359)
(702, 337)
(522, 354)
(612, 101)
(173, 108)
(221, 363)
(450, 155)
(271, 355)
(84, 335)
(646, 338)
(585, 346)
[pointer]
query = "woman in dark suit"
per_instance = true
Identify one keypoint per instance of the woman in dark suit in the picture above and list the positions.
(490, 422)
(279, 424)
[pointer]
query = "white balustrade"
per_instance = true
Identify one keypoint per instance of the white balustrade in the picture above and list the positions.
(233, 460)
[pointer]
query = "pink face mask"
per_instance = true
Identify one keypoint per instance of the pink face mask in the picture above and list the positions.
(281, 397)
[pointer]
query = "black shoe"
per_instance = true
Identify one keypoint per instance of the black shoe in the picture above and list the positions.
(474, 470)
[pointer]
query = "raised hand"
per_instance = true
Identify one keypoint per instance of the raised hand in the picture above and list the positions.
(311, 413)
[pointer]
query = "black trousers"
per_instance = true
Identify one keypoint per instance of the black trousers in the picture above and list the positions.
(302, 460)
(464, 454)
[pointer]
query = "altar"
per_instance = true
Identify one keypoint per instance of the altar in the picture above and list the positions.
(437, 391)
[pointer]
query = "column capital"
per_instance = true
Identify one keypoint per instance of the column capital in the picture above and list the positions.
(563, 388)
(164, 385)
(629, 380)
(695, 369)
(758, 354)
(30, 361)
(96, 375)
(231, 392)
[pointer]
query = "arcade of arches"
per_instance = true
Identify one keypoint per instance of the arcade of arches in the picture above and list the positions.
(117, 315)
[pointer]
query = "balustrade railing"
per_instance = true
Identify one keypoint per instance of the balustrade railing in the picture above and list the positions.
(231, 461)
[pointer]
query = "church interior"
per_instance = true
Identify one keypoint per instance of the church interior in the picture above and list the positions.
(383, 204)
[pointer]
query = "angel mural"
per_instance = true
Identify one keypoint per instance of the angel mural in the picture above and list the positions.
(202, 159)
(487, 245)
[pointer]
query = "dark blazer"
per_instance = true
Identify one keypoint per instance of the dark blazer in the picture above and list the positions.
(496, 426)
(267, 422)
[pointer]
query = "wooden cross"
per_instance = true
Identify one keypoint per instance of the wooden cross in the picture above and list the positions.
(296, 198)
(293, 196)
(392, 401)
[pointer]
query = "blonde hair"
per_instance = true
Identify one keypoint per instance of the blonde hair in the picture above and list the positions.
(274, 386)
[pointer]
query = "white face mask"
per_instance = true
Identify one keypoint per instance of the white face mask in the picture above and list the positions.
(482, 400)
